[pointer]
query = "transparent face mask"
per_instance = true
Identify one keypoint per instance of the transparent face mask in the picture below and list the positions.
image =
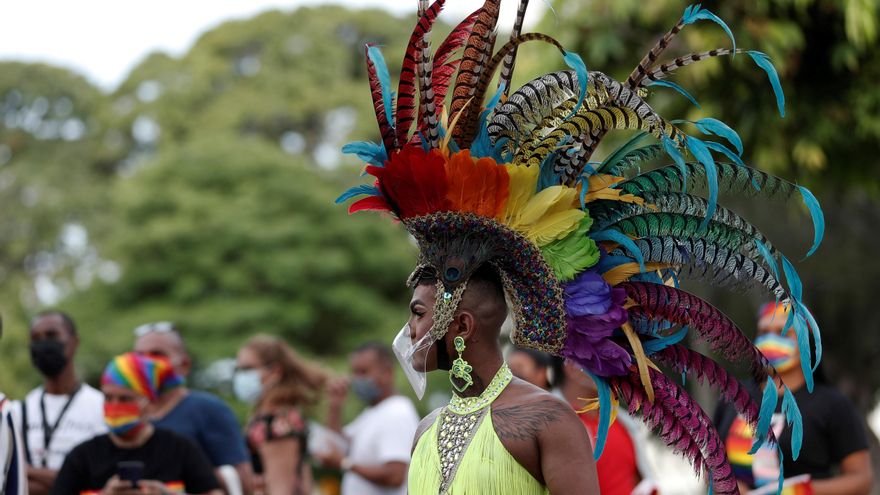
(413, 358)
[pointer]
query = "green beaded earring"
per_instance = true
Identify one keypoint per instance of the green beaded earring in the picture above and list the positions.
(461, 369)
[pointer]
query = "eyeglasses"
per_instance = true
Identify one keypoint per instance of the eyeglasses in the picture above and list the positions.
(159, 326)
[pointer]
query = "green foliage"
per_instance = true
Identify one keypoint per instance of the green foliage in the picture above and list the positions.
(826, 53)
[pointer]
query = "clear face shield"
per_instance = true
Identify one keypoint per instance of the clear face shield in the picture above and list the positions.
(413, 358)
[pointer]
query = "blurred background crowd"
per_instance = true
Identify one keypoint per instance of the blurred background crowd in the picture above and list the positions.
(200, 188)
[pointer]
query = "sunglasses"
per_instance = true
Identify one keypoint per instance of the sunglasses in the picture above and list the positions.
(159, 327)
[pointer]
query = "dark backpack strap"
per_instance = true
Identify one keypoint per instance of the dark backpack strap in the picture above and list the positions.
(24, 433)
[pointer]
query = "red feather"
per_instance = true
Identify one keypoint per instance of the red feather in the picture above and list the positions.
(371, 203)
(414, 182)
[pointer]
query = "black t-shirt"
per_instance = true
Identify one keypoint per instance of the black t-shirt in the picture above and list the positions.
(832, 430)
(167, 457)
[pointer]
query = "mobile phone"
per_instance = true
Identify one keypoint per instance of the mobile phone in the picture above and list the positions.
(130, 471)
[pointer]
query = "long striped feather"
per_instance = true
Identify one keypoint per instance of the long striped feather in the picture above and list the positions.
(679, 307)
(467, 129)
(411, 70)
(704, 370)
(510, 60)
(732, 179)
(684, 226)
(609, 212)
(663, 70)
(477, 51)
(709, 262)
(681, 424)
(653, 54)
(444, 63)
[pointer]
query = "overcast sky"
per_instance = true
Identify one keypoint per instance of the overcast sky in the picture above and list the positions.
(104, 39)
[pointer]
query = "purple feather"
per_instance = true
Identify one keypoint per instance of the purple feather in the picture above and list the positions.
(593, 311)
(588, 294)
(600, 356)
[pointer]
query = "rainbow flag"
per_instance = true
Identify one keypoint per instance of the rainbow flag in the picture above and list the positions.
(171, 486)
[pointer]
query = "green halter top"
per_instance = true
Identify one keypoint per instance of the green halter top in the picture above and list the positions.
(460, 454)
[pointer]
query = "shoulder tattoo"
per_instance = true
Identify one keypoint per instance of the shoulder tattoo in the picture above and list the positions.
(524, 421)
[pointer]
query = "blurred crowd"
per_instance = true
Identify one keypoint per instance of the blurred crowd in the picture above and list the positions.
(145, 431)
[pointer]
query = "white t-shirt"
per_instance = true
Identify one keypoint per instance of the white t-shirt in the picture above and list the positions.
(381, 433)
(83, 420)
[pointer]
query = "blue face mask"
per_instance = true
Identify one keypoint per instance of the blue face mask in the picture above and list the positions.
(780, 351)
(246, 385)
(366, 389)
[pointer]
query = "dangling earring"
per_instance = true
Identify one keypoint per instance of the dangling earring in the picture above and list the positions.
(461, 369)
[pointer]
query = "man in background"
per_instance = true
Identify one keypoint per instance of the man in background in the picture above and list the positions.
(531, 365)
(61, 413)
(622, 469)
(380, 438)
(13, 480)
(197, 415)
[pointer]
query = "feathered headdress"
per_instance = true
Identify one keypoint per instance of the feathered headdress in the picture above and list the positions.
(590, 253)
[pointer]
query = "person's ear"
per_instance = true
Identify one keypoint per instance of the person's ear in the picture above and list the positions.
(465, 326)
(73, 344)
(185, 365)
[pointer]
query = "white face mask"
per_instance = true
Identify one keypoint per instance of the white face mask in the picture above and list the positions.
(406, 351)
(246, 385)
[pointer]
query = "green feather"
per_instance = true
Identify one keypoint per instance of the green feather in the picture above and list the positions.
(572, 254)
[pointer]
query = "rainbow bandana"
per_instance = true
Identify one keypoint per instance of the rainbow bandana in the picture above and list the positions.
(149, 377)
(772, 313)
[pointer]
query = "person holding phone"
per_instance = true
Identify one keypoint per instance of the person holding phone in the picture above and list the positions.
(135, 457)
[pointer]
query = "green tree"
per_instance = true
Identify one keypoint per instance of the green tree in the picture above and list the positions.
(54, 174)
(233, 238)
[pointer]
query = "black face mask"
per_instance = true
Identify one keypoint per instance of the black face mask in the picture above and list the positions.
(48, 356)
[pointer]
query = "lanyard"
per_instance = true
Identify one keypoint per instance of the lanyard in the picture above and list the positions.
(49, 431)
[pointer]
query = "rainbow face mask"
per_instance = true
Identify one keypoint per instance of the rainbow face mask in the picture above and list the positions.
(123, 418)
(780, 351)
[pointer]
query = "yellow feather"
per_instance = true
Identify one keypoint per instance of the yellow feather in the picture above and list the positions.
(622, 273)
(551, 200)
(523, 181)
(613, 195)
(553, 226)
(641, 359)
(602, 181)
(546, 216)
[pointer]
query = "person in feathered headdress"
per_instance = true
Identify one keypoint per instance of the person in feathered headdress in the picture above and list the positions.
(511, 214)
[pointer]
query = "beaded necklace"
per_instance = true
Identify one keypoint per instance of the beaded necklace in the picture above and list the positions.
(459, 422)
(467, 405)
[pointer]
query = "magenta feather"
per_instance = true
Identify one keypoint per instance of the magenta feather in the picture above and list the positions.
(657, 301)
(681, 424)
(705, 370)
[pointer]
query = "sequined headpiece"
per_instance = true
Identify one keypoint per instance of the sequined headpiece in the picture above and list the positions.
(590, 253)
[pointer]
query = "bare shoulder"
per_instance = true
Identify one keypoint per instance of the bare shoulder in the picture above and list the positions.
(528, 412)
(424, 424)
